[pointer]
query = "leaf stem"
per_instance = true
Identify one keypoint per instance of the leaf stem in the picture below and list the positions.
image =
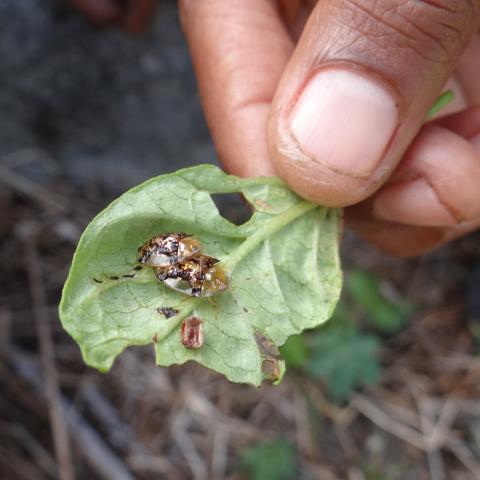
(442, 101)
(269, 228)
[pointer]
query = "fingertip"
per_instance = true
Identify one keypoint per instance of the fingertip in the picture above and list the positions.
(433, 192)
(309, 178)
(403, 241)
(318, 185)
(465, 123)
(413, 202)
(239, 50)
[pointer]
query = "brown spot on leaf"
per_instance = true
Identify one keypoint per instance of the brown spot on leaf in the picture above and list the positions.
(167, 312)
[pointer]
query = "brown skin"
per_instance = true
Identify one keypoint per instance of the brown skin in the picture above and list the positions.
(132, 15)
(253, 57)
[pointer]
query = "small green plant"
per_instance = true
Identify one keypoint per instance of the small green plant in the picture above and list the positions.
(383, 313)
(341, 353)
(272, 460)
(344, 358)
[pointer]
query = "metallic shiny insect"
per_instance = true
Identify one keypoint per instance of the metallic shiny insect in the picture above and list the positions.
(177, 262)
(199, 276)
(192, 333)
(168, 249)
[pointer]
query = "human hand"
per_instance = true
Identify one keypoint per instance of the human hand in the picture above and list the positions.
(332, 96)
(132, 15)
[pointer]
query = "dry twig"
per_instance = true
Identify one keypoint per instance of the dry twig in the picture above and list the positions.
(61, 439)
(96, 452)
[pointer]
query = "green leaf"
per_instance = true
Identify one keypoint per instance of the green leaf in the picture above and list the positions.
(273, 460)
(387, 315)
(295, 351)
(344, 359)
(283, 263)
(441, 102)
(374, 473)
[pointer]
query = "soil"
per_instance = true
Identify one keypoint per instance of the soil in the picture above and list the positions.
(86, 113)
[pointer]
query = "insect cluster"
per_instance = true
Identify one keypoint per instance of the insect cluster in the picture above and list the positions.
(270, 356)
(178, 263)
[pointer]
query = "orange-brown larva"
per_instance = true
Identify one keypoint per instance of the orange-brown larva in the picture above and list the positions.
(192, 332)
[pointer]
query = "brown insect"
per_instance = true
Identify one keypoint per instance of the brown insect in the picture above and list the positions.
(168, 249)
(192, 332)
(271, 368)
(199, 276)
(265, 345)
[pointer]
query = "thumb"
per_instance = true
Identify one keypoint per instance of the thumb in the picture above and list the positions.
(357, 89)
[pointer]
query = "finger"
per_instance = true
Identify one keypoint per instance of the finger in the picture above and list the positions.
(357, 89)
(397, 239)
(464, 82)
(409, 241)
(239, 49)
(436, 184)
(468, 70)
(138, 15)
(465, 123)
(432, 197)
(98, 11)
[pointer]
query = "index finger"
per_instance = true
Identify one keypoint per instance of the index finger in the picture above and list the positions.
(239, 49)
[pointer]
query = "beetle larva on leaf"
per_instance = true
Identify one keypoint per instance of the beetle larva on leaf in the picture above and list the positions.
(192, 333)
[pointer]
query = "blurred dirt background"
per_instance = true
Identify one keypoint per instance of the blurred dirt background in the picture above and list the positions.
(87, 112)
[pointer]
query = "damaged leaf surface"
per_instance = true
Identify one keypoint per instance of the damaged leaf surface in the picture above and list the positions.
(283, 264)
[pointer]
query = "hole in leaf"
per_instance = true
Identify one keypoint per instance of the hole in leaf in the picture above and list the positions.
(233, 207)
